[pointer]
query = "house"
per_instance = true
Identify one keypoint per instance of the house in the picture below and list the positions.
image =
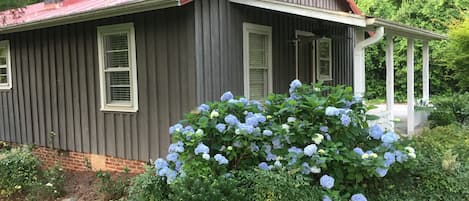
(109, 77)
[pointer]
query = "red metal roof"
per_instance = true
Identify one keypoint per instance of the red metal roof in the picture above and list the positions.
(41, 11)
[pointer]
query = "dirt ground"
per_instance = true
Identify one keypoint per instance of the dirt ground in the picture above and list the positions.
(80, 186)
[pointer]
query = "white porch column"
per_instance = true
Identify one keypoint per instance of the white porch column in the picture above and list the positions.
(390, 79)
(359, 65)
(410, 87)
(426, 72)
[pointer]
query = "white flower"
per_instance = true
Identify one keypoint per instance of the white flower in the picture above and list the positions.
(278, 164)
(291, 119)
(229, 148)
(318, 138)
(49, 184)
(17, 187)
(365, 156)
(315, 170)
(206, 156)
(316, 89)
(199, 132)
(269, 116)
(373, 155)
(321, 151)
(214, 114)
(286, 127)
(410, 149)
(412, 155)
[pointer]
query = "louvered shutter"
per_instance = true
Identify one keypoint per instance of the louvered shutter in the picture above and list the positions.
(3, 65)
(258, 66)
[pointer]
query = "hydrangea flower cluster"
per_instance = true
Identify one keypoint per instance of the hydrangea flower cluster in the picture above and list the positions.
(303, 132)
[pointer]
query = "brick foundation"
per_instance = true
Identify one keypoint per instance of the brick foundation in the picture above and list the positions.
(84, 161)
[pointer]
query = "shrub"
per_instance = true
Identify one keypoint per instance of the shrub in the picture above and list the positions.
(112, 188)
(149, 187)
(18, 169)
(306, 133)
(449, 109)
(441, 171)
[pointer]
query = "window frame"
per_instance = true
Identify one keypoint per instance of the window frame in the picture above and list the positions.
(132, 105)
(258, 29)
(8, 84)
(321, 77)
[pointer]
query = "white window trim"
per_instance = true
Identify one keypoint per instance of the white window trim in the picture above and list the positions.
(116, 107)
(259, 29)
(318, 60)
(8, 85)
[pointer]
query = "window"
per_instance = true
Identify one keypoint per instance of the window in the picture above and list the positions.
(5, 65)
(118, 69)
(324, 59)
(257, 61)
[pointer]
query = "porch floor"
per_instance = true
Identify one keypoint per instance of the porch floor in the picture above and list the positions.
(400, 116)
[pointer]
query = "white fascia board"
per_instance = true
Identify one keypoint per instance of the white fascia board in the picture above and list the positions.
(404, 30)
(136, 7)
(306, 11)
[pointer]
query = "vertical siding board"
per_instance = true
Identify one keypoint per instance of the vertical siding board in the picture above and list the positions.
(198, 28)
(151, 58)
(59, 52)
(75, 89)
(162, 81)
(91, 70)
(173, 63)
(15, 68)
(11, 115)
(214, 43)
(110, 133)
(67, 80)
(40, 96)
(47, 114)
(33, 88)
(128, 136)
(54, 81)
(119, 133)
(190, 58)
(142, 84)
(27, 135)
(206, 35)
(83, 87)
(2, 118)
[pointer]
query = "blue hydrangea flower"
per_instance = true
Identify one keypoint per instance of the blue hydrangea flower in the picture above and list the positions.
(160, 164)
(246, 128)
(175, 128)
(331, 111)
(326, 198)
(376, 132)
(254, 147)
(267, 133)
(291, 119)
(277, 143)
(381, 171)
(220, 127)
(173, 157)
(163, 171)
(345, 120)
(178, 165)
(201, 149)
(324, 129)
(220, 159)
(310, 149)
(293, 85)
(226, 96)
(255, 102)
(401, 157)
(271, 157)
(264, 166)
(177, 147)
(327, 181)
(295, 150)
(244, 101)
(328, 137)
(203, 108)
(305, 169)
(390, 158)
(389, 138)
(358, 150)
(171, 175)
(231, 120)
(358, 197)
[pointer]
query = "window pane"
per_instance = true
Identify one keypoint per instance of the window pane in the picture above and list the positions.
(3, 60)
(3, 52)
(119, 94)
(3, 79)
(257, 49)
(324, 49)
(115, 42)
(117, 59)
(324, 68)
(3, 71)
(119, 78)
(258, 85)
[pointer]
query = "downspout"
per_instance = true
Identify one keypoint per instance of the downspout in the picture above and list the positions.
(359, 85)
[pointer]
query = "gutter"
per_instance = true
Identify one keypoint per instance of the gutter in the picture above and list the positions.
(405, 30)
(124, 9)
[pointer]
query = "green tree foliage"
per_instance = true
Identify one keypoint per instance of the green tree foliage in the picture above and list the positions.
(8, 4)
(458, 51)
(435, 15)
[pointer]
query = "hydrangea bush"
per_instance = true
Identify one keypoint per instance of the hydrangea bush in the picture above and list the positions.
(316, 131)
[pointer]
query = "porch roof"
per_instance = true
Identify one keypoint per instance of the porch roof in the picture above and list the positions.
(403, 30)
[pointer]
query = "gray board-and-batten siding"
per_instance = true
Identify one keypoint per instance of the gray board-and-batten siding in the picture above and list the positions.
(56, 86)
(185, 56)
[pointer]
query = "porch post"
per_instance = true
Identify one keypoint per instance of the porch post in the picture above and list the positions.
(426, 72)
(359, 65)
(390, 79)
(410, 86)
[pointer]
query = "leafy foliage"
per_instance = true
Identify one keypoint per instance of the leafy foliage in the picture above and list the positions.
(148, 186)
(458, 53)
(112, 188)
(449, 109)
(435, 15)
(441, 171)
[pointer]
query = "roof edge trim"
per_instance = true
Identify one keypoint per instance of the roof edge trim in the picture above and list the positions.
(405, 30)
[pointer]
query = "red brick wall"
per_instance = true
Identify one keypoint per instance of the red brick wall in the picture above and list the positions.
(84, 161)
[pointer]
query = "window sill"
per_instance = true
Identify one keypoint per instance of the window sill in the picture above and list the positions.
(119, 109)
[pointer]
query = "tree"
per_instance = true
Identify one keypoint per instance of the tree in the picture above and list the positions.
(13, 8)
(458, 51)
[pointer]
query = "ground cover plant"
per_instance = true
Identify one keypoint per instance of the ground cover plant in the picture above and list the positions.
(307, 138)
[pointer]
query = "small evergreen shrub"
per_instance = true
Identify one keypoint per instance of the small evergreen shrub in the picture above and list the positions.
(149, 187)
